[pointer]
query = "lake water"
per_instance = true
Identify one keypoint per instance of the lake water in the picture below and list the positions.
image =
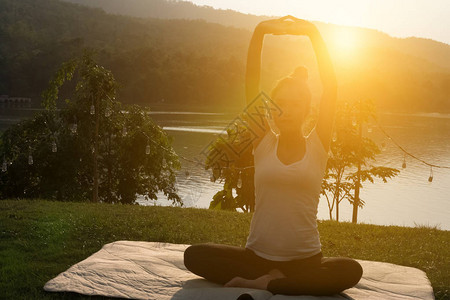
(408, 199)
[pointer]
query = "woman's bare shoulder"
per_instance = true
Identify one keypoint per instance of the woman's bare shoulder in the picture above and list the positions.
(264, 135)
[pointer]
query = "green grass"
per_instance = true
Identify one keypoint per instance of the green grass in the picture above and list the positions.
(39, 239)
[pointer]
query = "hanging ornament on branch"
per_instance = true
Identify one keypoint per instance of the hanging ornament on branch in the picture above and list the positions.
(147, 148)
(54, 146)
(30, 159)
(92, 111)
(239, 181)
(4, 166)
(108, 112)
(430, 179)
(74, 126)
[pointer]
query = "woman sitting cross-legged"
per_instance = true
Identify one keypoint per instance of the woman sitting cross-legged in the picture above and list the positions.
(283, 251)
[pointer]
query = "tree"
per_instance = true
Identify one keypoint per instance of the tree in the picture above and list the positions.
(230, 159)
(349, 150)
(94, 146)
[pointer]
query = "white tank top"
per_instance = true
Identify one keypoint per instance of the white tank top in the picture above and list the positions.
(284, 224)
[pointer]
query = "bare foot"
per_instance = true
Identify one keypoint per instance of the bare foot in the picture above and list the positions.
(236, 281)
(258, 283)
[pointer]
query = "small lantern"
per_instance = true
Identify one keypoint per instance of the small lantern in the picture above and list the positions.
(239, 181)
(74, 128)
(430, 179)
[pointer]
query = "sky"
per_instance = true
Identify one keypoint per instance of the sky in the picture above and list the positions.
(398, 18)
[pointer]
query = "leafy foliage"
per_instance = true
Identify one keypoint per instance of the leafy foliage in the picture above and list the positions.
(57, 154)
(230, 158)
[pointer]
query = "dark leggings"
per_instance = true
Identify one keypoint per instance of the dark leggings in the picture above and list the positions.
(316, 275)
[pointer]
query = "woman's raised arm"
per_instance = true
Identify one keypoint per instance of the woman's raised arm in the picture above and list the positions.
(255, 106)
(253, 71)
(327, 108)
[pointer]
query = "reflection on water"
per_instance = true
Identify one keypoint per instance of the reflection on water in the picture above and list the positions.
(193, 129)
(408, 199)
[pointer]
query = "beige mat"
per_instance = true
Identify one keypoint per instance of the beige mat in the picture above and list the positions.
(150, 270)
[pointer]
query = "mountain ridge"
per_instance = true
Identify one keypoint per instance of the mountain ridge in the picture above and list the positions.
(186, 9)
(195, 63)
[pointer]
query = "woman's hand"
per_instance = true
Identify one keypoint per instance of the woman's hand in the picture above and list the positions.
(287, 25)
(273, 26)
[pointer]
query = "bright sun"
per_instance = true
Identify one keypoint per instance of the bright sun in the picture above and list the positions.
(344, 42)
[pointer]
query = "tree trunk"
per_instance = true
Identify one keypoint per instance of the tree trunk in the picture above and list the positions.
(358, 179)
(337, 208)
(337, 200)
(356, 202)
(331, 215)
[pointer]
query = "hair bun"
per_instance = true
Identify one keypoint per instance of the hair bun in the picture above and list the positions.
(300, 73)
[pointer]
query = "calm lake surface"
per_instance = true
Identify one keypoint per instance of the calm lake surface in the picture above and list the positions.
(408, 199)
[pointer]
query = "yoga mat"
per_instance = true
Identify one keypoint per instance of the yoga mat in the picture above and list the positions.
(153, 270)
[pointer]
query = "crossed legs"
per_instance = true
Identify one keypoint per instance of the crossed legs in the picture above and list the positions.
(237, 266)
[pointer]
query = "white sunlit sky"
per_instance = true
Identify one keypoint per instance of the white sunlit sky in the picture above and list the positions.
(398, 18)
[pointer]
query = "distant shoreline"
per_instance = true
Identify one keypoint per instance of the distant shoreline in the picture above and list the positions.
(444, 115)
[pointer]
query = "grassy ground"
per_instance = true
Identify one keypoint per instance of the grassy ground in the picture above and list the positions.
(39, 239)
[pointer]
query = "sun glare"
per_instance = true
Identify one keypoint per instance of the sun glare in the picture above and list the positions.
(344, 42)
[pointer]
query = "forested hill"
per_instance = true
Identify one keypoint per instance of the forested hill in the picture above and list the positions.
(178, 9)
(172, 9)
(195, 64)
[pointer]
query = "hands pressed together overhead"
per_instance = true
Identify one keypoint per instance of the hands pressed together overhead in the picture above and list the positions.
(286, 25)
